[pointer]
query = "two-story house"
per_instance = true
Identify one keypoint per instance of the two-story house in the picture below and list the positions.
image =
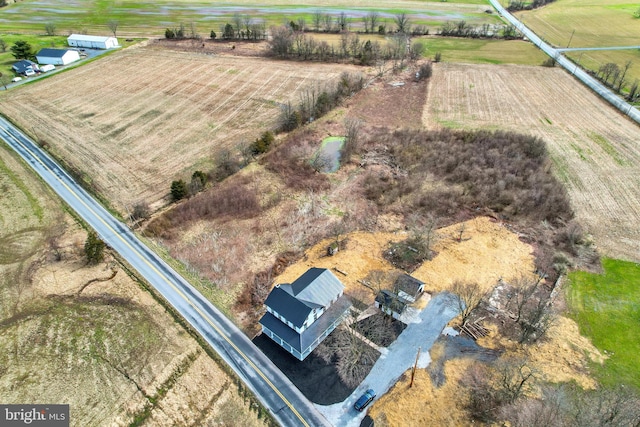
(302, 314)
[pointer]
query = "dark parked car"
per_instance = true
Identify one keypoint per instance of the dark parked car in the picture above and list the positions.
(364, 400)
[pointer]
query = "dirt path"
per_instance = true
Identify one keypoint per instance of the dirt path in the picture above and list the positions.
(595, 150)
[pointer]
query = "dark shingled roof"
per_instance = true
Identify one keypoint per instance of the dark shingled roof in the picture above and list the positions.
(52, 53)
(314, 289)
(388, 299)
(302, 341)
(408, 284)
(22, 65)
(288, 306)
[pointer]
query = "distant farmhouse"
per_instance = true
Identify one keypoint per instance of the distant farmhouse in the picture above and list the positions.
(92, 42)
(25, 67)
(302, 314)
(406, 290)
(57, 56)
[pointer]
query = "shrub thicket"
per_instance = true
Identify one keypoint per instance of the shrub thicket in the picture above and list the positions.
(505, 172)
(293, 166)
(230, 199)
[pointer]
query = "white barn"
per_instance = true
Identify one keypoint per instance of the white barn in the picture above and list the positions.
(57, 56)
(92, 42)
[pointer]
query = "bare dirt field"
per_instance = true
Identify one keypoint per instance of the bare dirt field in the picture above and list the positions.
(141, 118)
(90, 336)
(595, 149)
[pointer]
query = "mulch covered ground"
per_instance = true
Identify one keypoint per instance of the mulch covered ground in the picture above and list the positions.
(315, 378)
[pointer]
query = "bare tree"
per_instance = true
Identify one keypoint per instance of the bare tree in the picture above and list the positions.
(524, 288)
(353, 357)
(317, 20)
(237, 24)
(374, 19)
(548, 410)
(321, 161)
(382, 66)
(302, 24)
(513, 377)
(623, 73)
(531, 308)
(365, 21)
(281, 41)
(631, 96)
(246, 20)
(469, 297)
(342, 21)
(113, 26)
(423, 231)
(398, 50)
(617, 406)
(378, 280)
(416, 50)
(353, 128)
(327, 22)
(403, 24)
(140, 211)
(50, 29)
(3, 45)
(493, 386)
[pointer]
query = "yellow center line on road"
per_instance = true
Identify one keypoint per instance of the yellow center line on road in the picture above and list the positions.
(178, 291)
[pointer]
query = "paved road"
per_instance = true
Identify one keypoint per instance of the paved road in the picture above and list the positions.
(565, 63)
(285, 402)
(574, 49)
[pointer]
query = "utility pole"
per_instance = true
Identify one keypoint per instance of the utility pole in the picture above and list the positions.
(570, 38)
(415, 366)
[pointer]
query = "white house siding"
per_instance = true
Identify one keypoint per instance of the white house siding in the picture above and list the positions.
(68, 57)
(92, 42)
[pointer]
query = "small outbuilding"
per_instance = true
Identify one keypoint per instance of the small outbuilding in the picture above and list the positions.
(390, 303)
(408, 288)
(25, 67)
(57, 56)
(92, 42)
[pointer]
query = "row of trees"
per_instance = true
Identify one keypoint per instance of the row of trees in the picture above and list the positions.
(515, 5)
(180, 189)
(503, 392)
(288, 44)
(244, 27)
(614, 76)
(463, 29)
(316, 102)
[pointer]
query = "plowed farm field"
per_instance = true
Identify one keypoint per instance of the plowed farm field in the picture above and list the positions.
(596, 151)
(140, 118)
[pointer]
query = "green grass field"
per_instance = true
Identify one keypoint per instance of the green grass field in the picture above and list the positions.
(36, 42)
(151, 18)
(590, 23)
(607, 309)
(484, 51)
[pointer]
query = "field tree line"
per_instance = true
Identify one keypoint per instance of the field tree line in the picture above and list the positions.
(245, 27)
(615, 77)
(516, 5)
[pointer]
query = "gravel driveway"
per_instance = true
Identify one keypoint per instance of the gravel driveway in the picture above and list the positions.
(397, 359)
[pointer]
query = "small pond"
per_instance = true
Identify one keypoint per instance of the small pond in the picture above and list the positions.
(330, 150)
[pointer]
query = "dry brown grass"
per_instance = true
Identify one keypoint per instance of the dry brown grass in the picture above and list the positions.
(594, 148)
(98, 345)
(138, 119)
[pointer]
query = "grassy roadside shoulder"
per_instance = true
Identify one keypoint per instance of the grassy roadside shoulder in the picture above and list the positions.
(607, 308)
